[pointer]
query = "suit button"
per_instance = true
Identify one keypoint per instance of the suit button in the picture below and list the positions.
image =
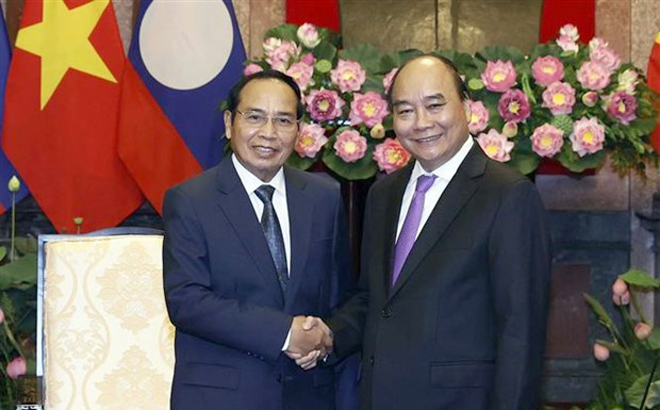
(371, 360)
(386, 312)
(279, 378)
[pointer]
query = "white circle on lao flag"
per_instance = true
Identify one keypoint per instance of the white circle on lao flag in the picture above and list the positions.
(186, 43)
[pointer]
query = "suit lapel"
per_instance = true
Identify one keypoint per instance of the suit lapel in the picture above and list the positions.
(459, 191)
(236, 205)
(300, 227)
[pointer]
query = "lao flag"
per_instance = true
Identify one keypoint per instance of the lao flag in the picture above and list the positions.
(61, 113)
(6, 169)
(184, 57)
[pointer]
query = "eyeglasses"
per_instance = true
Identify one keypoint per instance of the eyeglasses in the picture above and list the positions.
(280, 122)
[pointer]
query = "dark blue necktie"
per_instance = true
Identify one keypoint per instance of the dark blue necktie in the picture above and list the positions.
(271, 226)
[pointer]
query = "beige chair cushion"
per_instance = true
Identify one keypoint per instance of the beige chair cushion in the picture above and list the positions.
(107, 338)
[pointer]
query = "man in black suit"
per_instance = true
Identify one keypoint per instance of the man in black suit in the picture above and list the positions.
(452, 301)
(250, 247)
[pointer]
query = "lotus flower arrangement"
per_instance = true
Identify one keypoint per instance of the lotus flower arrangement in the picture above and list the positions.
(566, 101)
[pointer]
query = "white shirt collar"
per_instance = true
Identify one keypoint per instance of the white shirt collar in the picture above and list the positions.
(251, 182)
(447, 170)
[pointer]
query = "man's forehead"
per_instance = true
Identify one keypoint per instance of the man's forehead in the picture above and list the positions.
(264, 92)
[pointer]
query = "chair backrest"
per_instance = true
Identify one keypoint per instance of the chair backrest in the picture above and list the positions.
(104, 340)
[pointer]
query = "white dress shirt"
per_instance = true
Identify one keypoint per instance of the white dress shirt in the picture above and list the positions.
(251, 183)
(444, 173)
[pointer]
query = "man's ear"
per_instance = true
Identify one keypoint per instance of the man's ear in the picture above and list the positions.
(468, 112)
(228, 124)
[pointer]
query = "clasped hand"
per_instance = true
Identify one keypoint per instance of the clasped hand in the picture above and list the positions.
(310, 340)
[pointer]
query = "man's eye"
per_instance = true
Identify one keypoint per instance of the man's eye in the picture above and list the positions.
(435, 106)
(284, 121)
(404, 111)
(252, 117)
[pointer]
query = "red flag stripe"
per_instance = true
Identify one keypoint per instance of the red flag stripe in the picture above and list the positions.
(141, 115)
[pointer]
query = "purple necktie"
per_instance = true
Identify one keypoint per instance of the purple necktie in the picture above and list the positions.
(410, 224)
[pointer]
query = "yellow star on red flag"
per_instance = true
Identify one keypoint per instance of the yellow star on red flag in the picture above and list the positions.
(61, 39)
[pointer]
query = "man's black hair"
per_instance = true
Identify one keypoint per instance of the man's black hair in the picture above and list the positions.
(235, 92)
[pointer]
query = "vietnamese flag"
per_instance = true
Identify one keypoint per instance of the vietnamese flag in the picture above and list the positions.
(61, 113)
(653, 78)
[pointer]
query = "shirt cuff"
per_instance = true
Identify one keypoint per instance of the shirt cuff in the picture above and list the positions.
(286, 341)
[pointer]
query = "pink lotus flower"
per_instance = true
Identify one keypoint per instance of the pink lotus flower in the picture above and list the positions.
(390, 155)
(499, 76)
(308, 59)
(495, 145)
(324, 105)
(251, 69)
(280, 57)
(308, 35)
(593, 76)
(301, 73)
(311, 139)
(559, 98)
(627, 80)
(348, 76)
(350, 145)
(601, 53)
(387, 80)
(601, 353)
(588, 136)
(16, 368)
(547, 140)
(368, 108)
(642, 331)
(478, 118)
(570, 32)
(567, 44)
(514, 105)
(590, 98)
(546, 70)
(2, 316)
(270, 44)
(510, 129)
(622, 106)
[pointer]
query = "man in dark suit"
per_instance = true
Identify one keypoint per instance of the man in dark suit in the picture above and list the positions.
(453, 293)
(251, 246)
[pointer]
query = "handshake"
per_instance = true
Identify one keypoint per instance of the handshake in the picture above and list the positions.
(310, 340)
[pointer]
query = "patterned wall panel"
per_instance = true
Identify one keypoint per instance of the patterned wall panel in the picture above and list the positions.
(108, 341)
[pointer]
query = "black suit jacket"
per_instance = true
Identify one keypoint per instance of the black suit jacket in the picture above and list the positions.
(464, 326)
(224, 298)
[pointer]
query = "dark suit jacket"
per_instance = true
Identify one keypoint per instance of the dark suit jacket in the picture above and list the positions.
(224, 298)
(464, 326)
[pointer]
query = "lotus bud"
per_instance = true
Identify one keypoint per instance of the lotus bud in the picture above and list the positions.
(590, 98)
(377, 132)
(14, 184)
(308, 59)
(642, 331)
(2, 316)
(601, 353)
(621, 300)
(510, 129)
(16, 368)
(619, 287)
